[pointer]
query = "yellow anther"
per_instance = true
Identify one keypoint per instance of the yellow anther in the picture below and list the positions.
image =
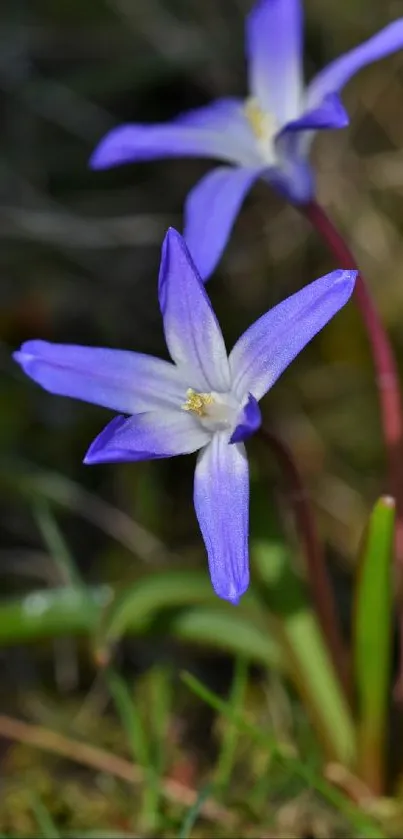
(262, 123)
(197, 402)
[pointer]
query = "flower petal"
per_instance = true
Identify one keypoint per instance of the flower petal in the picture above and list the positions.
(210, 212)
(333, 77)
(330, 113)
(221, 499)
(274, 48)
(216, 130)
(117, 379)
(268, 347)
(147, 436)
(293, 177)
(192, 332)
(249, 421)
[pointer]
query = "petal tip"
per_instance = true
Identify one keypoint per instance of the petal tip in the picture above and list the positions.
(257, 10)
(233, 592)
(24, 356)
(99, 159)
(347, 278)
(173, 233)
(115, 148)
(92, 455)
(175, 258)
(18, 356)
(249, 421)
(100, 450)
(93, 161)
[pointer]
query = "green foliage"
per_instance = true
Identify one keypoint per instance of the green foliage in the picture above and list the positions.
(372, 645)
(298, 634)
(282, 754)
(191, 817)
(142, 748)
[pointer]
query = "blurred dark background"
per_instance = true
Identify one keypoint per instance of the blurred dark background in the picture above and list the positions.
(79, 257)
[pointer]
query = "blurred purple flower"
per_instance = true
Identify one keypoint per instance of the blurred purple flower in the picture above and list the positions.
(206, 400)
(269, 135)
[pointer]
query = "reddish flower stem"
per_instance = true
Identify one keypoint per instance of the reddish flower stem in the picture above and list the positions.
(318, 580)
(387, 382)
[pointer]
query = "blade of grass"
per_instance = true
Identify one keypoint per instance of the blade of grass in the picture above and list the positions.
(160, 714)
(43, 817)
(57, 546)
(298, 633)
(52, 613)
(64, 611)
(226, 756)
(103, 761)
(30, 481)
(140, 601)
(222, 628)
(281, 753)
(372, 646)
(191, 817)
(140, 746)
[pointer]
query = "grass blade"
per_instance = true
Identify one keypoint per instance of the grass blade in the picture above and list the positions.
(140, 746)
(372, 642)
(57, 546)
(230, 739)
(362, 823)
(302, 644)
(193, 814)
(44, 819)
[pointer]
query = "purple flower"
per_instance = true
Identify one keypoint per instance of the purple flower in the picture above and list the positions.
(267, 135)
(206, 400)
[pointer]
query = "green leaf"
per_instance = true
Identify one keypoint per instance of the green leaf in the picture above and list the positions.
(43, 817)
(57, 612)
(33, 483)
(360, 821)
(226, 757)
(137, 606)
(51, 613)
(228, 629)
(373, 642)
(302, 645)
(191, 817)
(57, 546)
(141, 748)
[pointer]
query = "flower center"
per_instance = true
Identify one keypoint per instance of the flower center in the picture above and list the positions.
(216, 411)
(263, 124)
(197, 402)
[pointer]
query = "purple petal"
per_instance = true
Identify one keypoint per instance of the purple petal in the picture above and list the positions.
(221, 499)
(192, 332)
(210, 212)
(274, 48)
(268, 347)
(216, 130)
(249, 421)
(333, 77)
(293, 177)
(146, 437)
(330, 113)
(117, 379)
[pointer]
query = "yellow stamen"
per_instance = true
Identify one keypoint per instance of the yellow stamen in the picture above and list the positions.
(197, 402)
(262, 123)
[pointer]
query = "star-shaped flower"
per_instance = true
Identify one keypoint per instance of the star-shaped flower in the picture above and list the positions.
(204, 401)
(267, 135)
